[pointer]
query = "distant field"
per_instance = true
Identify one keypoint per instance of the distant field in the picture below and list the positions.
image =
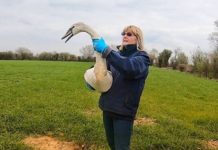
(50, 98)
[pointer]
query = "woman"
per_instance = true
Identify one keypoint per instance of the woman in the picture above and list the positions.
(129, 68)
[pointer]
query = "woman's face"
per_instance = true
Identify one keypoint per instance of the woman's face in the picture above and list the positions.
(128, 38)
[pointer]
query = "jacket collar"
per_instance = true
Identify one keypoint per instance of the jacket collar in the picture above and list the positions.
(128, 50)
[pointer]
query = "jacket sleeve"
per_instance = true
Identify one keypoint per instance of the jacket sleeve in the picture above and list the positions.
(130, 67)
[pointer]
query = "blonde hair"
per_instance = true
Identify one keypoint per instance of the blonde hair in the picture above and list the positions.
(139, 36)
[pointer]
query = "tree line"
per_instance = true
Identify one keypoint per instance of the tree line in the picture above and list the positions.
(201, 63)
(23, 53)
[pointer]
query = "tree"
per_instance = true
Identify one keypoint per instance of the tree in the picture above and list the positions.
(45, 56)
(182, 58)
(153, 56)
(201, 62)
(23, 53)
(214, 63)
(9, 55)
(164, 57)
(73, 57)
(214, 56)
(179, 60)
(87, 51)
(214, 36)
(64, 56)
(174, 60)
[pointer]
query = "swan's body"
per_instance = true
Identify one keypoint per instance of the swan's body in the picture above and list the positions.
(102, 75)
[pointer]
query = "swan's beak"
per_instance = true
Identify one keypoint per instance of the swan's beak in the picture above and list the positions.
(69, 34)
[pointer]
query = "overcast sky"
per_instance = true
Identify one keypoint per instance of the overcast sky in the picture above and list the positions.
(39, 25)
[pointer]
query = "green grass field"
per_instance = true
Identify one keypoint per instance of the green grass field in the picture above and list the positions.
(50, 98)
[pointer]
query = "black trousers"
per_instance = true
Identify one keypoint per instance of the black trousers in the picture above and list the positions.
(118, 132)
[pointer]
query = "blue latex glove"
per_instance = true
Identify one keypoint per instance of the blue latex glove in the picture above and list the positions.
(99, 45)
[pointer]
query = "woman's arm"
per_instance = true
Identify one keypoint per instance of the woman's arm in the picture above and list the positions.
(131, 67)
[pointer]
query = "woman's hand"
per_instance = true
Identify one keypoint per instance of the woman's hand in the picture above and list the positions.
(99, 45)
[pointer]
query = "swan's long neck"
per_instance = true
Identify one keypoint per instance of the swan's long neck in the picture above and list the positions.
(100, 67)
(91, 32)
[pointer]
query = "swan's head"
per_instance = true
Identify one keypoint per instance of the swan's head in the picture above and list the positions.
(75, 29)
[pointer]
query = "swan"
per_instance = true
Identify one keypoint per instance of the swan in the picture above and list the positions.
(98, 76)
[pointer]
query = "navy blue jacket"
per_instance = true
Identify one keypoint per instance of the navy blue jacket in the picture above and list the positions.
(129, 69)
